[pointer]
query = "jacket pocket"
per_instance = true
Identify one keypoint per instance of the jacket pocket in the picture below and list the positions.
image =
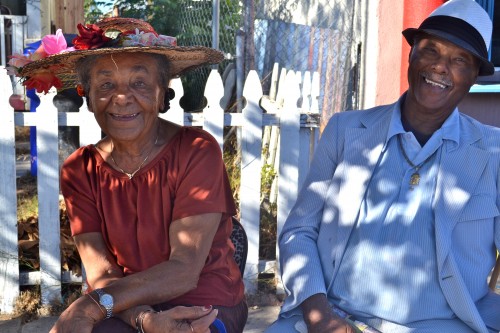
(479, 207)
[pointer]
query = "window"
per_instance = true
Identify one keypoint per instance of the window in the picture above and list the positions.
(492, 82)
(493, 8)
(495, 40)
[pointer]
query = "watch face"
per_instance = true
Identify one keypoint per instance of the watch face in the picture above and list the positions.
(106, 300)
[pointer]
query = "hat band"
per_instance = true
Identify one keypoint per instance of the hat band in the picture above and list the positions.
(458, 28)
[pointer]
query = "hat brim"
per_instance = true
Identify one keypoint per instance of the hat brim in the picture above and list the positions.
(485, 67)
(182, 59)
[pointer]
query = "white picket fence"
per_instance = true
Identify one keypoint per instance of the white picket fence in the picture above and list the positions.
(298, 132)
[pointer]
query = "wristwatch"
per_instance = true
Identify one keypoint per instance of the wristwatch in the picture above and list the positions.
(106, 300)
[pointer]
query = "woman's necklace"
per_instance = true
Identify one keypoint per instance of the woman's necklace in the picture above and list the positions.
(415, 177)
(131, 175)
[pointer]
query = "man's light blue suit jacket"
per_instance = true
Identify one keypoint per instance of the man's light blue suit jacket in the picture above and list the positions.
(466, 210)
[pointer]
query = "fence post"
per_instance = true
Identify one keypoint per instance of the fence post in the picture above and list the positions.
(251, 167)
(213, 114)
(176, 113)
(48, 199)
(9, 261)
(91, 132)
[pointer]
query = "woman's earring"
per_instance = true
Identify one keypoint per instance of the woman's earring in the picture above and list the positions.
(80, 90)
(171, 94)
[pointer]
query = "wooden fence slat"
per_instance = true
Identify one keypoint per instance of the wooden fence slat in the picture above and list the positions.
(48, 208)
(251, 146)
(3, 62)
(9, 261)
(213, 114)
(190, 119)
(315, 91)
(91, 132)
(306, 92)
(274, 82)
(176, 113)
(288, 172)
(280, 95)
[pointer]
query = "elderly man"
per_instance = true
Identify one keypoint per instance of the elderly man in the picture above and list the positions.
(398, 221)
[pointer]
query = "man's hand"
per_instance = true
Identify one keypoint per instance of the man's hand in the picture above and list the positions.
(320, 318)
(180, 319)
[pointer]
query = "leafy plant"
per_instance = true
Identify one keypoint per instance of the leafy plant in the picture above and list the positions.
(93, 9)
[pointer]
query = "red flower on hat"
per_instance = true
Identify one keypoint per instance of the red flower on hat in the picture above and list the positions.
(91, 37)
(42, 82)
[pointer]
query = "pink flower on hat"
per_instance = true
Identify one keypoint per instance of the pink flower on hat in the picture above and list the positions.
(18, 60)
(54, 44)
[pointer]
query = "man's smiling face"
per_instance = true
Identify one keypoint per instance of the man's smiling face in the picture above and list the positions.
(440, 74)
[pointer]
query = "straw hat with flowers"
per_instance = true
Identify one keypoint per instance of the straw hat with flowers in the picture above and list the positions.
(53, 64)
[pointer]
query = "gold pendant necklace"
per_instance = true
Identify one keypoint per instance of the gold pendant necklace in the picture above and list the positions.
(415, 177)
(131, 175)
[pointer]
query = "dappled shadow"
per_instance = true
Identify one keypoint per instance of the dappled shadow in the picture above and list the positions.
(384, 251)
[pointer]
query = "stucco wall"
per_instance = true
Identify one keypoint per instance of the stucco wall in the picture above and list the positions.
(390, 44)
(383, 21)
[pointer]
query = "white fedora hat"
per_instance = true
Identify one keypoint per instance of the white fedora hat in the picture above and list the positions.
(464, 23)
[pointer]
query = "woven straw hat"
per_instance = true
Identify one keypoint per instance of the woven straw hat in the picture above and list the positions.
(126, 35)
(464, 23)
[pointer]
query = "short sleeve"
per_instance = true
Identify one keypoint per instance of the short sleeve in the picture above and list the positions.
(76, 187)
(202, 184)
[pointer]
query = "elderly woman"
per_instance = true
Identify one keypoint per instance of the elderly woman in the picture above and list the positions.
(150, 204)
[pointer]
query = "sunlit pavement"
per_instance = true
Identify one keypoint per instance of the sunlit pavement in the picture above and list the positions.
(258, 319)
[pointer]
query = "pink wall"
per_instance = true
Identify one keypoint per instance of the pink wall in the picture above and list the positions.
(415, 11)
(394, 17)
(390, 14)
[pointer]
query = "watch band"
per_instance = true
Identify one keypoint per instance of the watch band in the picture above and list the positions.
(106, 300)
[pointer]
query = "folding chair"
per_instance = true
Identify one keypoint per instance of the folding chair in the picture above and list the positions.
(495, 274)
(240, 241)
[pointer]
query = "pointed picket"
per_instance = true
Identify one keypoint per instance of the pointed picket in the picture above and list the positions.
(175, 114)
(213, 114)
(91, 132)
(251, 146)
(274, 82)
(280, 96)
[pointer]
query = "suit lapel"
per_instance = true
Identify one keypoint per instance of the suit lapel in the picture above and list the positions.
(460, 171)
(454, 189)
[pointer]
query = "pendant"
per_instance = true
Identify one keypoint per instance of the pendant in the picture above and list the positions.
(415, 179)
